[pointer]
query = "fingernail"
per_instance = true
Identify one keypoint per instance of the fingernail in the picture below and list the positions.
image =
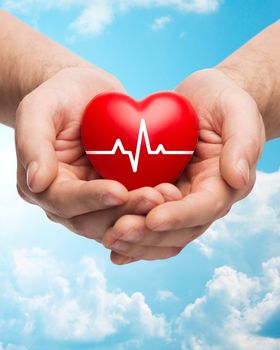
(111, 200)
(243, 166)
(32, 169)
(120, 246)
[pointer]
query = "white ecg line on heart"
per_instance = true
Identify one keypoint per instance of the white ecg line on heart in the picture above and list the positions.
(134, 160)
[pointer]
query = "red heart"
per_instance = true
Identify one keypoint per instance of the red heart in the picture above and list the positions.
(114, 124)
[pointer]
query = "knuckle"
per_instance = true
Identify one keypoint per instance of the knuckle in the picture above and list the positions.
(118, 231)
(146, 193)
(122, 227)
(222, 207)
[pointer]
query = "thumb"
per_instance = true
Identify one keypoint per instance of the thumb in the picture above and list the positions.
(243, 139)
(35, 138)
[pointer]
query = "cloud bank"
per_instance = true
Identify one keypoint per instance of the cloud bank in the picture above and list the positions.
(233, 311)
(254, 219)
(64, 303)
(44, 301)
(53, 304)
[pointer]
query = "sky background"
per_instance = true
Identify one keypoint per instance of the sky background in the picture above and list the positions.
(60, 291)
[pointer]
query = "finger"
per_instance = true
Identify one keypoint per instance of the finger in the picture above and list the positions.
(93, 225)
(196, 209)
(35, 138)
(119, 259)
(136, 252)
(133, 229)
(75, 197)
(243, 139)
(169, 192)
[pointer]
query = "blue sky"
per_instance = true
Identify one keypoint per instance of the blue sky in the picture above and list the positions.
(58, 290)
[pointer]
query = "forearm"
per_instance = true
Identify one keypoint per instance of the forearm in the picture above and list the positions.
(27, 58)
(256, 68)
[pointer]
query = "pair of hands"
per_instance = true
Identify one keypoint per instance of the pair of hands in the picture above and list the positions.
(147, 223)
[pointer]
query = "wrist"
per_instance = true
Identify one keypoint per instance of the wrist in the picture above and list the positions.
(25, 84)
(23, 70)
(46, 69)
(257, 78)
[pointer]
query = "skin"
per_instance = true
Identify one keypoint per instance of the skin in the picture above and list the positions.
(238, 106)
(45, 109)
(222, 172)
(51, 158)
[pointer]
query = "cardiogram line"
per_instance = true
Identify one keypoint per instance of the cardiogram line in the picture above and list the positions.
(134, 160)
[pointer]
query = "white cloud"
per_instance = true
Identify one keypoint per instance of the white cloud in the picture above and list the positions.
(94, 19)
(255, 217)
(204, 248)
(94, 16)
(73, 305)
(233, 311)
(160, 22)
(165, 295)
(47, 299)
(262, 210)
(50, 299)
(70, 303)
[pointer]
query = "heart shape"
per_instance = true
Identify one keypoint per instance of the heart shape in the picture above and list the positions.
(139, 143)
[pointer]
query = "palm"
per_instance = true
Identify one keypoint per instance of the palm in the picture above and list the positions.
(79, 87)
(55, 140)
(211, 100)
(230, 140)
(203, 170)
(73, 163)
